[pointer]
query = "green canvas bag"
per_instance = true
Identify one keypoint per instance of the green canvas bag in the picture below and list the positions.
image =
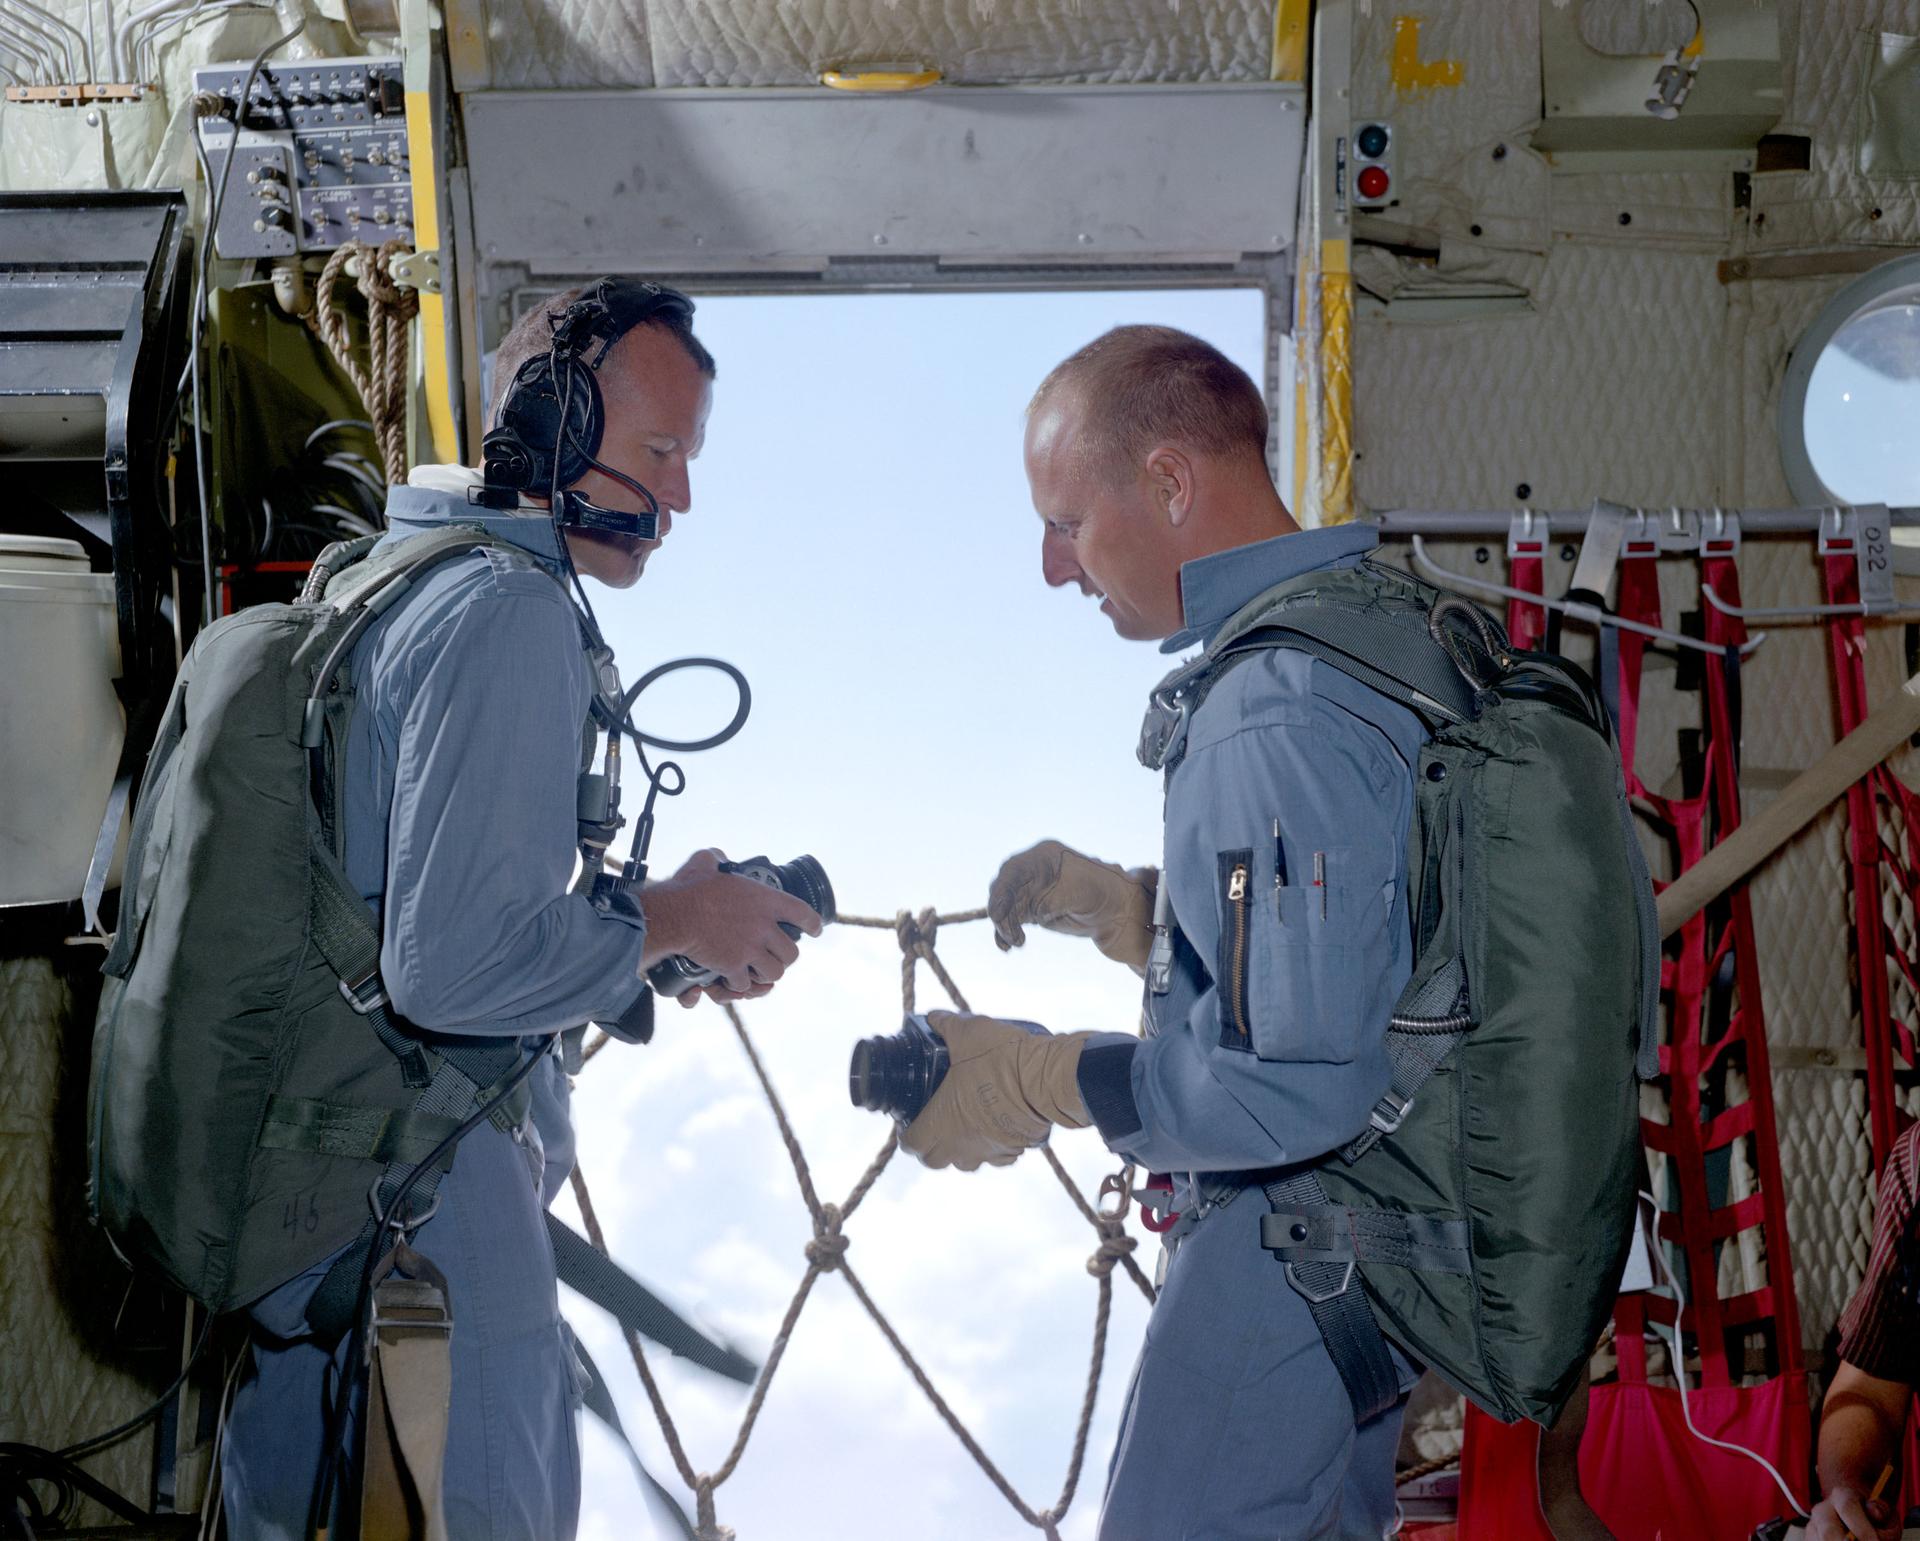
(246, 1089)
(1482, 1221)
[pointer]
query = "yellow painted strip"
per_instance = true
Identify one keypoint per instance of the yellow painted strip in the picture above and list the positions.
(1411, 73)
(1290, 39)
(880, 80)
(432, 328)
(1303, 377)
(1336, 384)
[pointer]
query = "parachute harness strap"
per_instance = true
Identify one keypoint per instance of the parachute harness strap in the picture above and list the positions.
(826, 1252)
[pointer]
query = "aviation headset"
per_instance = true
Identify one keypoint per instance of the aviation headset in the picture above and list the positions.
(552, 416)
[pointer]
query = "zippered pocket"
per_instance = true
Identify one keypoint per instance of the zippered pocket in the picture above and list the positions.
(1233, 958)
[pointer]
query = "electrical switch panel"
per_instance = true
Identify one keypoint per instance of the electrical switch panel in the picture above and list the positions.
(315, 157)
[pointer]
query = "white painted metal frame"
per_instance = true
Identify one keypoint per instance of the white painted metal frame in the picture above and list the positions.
(566, 182)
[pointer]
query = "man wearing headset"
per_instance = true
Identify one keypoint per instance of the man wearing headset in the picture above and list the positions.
(459, 790)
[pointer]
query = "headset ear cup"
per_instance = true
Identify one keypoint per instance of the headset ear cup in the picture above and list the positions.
(505, 460)
(529, 432)
(586, 420)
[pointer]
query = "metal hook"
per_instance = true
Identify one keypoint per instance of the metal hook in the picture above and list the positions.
(1801, 612)
(1446, 577)
(400, 1225)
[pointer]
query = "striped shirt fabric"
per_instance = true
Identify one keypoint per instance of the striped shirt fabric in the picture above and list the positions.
(1880, 1331)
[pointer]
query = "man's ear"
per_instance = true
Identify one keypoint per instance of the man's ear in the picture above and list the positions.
(1170, 472)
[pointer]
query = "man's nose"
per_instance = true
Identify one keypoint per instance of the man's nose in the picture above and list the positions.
(1057, 565)
(675, 489)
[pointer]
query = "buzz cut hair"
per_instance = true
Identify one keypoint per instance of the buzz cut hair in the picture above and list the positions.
(532, 335)
(1138, 386)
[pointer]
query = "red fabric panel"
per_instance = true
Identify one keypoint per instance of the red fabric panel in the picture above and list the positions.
(1641, 1468)
(1526, 624)
(1499, 1496)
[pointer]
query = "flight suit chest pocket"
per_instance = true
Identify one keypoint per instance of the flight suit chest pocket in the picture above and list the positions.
(1289, 955)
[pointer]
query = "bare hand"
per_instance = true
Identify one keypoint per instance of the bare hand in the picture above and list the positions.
(1848, 1512)
(724, 922)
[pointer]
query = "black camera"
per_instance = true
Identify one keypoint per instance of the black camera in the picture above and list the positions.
(898, 1074)
(803, 877)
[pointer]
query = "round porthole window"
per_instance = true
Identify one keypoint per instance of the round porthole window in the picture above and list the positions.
(1850, 403)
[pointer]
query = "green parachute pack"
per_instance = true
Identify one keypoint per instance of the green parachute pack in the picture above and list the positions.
(252, 1102)
(1483, 1219)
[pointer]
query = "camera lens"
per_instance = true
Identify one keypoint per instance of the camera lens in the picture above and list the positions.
(806, 880)
(872, 1077)
(897, 1074)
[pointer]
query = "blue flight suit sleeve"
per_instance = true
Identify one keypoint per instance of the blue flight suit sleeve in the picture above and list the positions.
(1281, 1056)
(480, 934)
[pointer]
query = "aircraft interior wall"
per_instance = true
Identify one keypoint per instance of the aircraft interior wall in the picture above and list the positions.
(1644, 366)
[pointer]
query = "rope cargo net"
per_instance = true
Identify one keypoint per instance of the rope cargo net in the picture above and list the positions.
(1883, 875)
(826, 1252)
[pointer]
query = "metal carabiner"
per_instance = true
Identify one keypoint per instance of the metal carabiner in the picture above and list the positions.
(1120, 1185)
(403, 1227)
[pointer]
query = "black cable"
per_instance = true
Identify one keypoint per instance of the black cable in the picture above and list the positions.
(356, 1343)
(29, 1463)
(690, 745)
(554, 489)
(196, 341)
(334, 425)
(120, 1431)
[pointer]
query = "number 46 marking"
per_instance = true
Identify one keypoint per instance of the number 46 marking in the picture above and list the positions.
(301, 1214)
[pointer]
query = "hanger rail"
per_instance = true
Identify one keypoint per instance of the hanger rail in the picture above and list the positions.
(1573, 609)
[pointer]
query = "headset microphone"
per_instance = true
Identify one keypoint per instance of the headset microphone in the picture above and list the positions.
(576, 512)
(552, 416)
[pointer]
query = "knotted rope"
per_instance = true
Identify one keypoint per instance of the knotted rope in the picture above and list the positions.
(383, 385)
(826, 1252)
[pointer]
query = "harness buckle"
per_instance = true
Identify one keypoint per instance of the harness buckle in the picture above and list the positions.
(402, 1226)
(1323, 1296)
(1390, 1112)
(366, 995)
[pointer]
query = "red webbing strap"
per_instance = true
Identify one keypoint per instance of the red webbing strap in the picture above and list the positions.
(1870, 860)
(1681, 1138)
(1639, 601)
(1749, 1019)
(1695, 1227)
(1526, 624)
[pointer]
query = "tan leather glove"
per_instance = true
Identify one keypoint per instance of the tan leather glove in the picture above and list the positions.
(1054, 886)
(1004, 1089)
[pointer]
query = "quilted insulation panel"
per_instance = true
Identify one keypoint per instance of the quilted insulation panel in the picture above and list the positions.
(59, 1287)
(555, 43)
(1461, 415)
(1827, 47)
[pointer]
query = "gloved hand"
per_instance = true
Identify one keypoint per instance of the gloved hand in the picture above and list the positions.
(1004, 1089)
(1054, 886)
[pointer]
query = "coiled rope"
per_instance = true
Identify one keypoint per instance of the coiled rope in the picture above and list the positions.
(826, 1252)
(383, 383)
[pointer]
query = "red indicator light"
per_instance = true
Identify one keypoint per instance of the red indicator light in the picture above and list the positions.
(1373, 182)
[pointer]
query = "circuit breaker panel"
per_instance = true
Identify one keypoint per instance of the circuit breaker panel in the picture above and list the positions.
(318, 156)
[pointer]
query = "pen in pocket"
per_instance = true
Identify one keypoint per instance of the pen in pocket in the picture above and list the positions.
(1320, 879)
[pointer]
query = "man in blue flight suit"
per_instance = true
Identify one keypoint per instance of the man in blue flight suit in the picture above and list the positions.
(1285, 946)
(460, 825)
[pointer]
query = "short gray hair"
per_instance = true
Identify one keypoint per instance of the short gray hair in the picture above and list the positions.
(1139, 386)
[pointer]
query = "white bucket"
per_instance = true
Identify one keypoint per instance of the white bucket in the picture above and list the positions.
(60, 722)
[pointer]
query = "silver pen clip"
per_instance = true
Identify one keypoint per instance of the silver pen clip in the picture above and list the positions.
(1160, 956)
